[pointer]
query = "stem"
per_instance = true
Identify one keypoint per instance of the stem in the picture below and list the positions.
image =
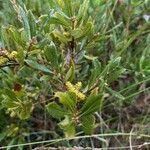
(10, 64)
(74, 138)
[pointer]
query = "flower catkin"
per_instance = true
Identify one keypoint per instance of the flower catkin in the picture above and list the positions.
(75, 89)
(12, 55)
(8, 56)
(3, 60)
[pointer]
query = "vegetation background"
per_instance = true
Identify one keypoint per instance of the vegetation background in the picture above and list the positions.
(75, 73)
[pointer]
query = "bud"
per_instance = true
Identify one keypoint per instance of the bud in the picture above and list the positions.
(12, 114)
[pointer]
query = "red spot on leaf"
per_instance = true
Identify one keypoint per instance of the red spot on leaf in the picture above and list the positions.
(17, 87)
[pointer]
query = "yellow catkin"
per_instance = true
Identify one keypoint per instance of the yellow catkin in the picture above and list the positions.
(3, 60)
(79, 94)
(75, 89)
(78, 85)
(8, 56)
(12, 55)
(69, 85)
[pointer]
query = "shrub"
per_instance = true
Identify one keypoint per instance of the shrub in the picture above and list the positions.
(61, 59)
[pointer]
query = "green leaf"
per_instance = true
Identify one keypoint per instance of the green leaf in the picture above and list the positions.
(62, 38)
(71, 72)
(15, 35)
(66, 100)
(21, 109)
(68, 6)
(114, 63)
(2, 136)
(58, 19)
(21, 56)
(32, 23)
(5, 37)
(90, 57)
(116, 94)
(54, 4)
(25, 22)
(25, 110)
(83, 11)
(56, 111)
(65, 122)
(69, 131)
(35, 65)
(21, 141)
(95, 72)
(92, 104)
(12, 130)
(44, 21)
(114, 75)
(11, 94)
(10, 104)
(34, 52)
(97, 66)
(91, 45)
(82, 32)
(88, 123)
(51, 54)
(68, 127)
